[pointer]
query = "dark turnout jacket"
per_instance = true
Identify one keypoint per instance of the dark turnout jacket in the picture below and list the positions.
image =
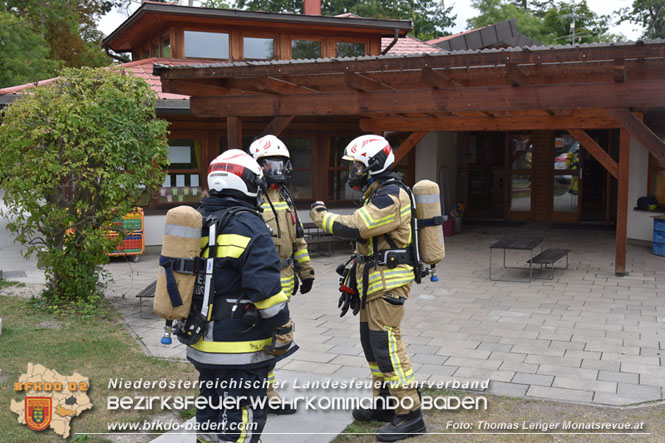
(246, 272)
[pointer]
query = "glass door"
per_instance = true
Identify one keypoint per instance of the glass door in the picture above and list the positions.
(567, 175)
(519, 160)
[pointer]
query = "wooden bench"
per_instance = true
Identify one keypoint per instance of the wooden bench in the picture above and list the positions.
(147, 292)
(549, 257)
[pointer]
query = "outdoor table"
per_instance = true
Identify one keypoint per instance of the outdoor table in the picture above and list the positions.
(516, 242)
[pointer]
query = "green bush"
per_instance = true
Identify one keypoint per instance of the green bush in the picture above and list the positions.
(76, 154)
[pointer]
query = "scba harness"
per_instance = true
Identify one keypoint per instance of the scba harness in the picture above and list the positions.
(429, 209)
(190, 327)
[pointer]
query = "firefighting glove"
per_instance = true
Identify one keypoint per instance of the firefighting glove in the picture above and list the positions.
(306, 285)
(282, 338)
(348, 300)
(318, 206)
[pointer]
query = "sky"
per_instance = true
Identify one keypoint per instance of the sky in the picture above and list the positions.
(462, 8)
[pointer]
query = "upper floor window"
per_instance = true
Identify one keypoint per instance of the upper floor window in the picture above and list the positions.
(350, 49)
(206, 44)
(166, 47)
(259, 48)
(304, 49)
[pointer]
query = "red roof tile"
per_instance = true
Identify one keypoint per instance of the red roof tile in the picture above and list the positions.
(140, 68)
(408, 45)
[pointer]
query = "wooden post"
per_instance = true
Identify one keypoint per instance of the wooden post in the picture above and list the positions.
(622, 203)
(234, 133)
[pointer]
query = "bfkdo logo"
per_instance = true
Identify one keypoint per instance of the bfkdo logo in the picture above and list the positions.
(51, 400)
(38, 412)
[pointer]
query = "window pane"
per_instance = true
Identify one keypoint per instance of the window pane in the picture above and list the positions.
(566, 152)
(349, 49)
(520, 195)
(155, 50)
(659, 185)
(337, 145)
(338, 189)
(305, 49)
(184, 153)
(566, 188)
(260, 48)
(300, 150)
(180, 185)
(166, 48)
(206, 44)
(520, 151)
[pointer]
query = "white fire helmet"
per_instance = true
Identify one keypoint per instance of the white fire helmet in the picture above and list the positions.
(268, 146)
(235, 171)
(373, 151)
(273, 156)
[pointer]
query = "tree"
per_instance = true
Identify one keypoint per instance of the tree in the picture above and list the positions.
(76, 154)
(68, 26)
(648, 13)
(430, 18)
(24, 55)
(547, 22)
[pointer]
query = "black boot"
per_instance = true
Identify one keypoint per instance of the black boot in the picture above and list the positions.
(362, 414)
(402, 426)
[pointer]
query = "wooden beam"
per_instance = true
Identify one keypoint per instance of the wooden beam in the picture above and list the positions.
(437, 80)
(514, 76)
(359, 82)
(619, 70)
(275, 85)
(640, 131)
(184, 87)
(574, 96)
(408, 145)
(234, 133)
(622, 204)
(276, 125)
(582, 120)
(596, 151)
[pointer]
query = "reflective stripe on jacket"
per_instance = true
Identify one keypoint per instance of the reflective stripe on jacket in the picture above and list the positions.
(387, 214)
(246, 271)
(287, 227)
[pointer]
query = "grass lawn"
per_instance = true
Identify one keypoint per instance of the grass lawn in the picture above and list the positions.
(97, 348)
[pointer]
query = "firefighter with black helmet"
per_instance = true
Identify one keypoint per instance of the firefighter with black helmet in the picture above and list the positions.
(384, 271)
(248, 326)
(279, 212)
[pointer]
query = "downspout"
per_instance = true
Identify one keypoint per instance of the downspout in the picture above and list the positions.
(392, 43)
(115, 56)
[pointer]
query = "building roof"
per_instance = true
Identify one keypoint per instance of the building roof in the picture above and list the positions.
(408, 45)
(150, 13)
(503, 34)
(140, 68)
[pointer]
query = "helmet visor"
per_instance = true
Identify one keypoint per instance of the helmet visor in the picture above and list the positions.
(357, 178)
(277, 170)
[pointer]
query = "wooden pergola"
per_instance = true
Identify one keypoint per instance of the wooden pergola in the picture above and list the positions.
(564, 88)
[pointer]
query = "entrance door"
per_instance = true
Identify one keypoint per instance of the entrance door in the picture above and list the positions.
(567, 180)
(519, 176)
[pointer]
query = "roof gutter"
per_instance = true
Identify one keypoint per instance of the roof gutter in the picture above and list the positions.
(392, 43)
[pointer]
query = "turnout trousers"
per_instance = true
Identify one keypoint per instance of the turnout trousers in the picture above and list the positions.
(243, 423)
(381, 339)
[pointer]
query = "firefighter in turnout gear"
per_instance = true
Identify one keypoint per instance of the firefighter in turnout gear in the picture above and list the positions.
(280, 215)
(249, 327)
(382, 232)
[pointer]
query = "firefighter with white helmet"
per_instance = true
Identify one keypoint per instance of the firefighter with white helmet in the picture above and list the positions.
(383, 272)
(248, 327)
(279, 212)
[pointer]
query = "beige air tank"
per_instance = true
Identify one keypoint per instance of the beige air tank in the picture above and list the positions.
(428, 205)
(182, 239)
